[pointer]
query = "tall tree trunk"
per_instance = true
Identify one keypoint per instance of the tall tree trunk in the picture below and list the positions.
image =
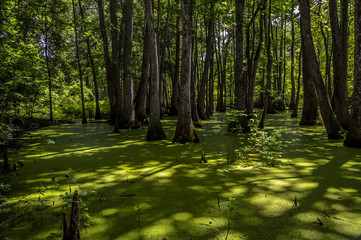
(185, 131)
(175, 83)
(207, 63)
(220, 99)
(94, 73)
(115, 65)
(140, 100)
(328, 59)
(162, 50)
(155, 130)
(240, 76)
(266, 100)
(353, 137)
(293, 85)
(295, 106)
(108, 64)
(261, 93)
(84, 121)
(240, 82)
(280, 102)
(255, 61)
(195, 117)
(48, 69)
(210, 105)
(310, 109)
(340, 58)
(128, 120)
(224, 73)
(329, 119)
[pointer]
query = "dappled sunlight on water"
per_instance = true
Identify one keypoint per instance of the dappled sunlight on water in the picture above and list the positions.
(154, 190)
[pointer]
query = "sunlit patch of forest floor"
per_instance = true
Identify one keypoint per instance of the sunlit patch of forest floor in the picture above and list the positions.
(133, 189)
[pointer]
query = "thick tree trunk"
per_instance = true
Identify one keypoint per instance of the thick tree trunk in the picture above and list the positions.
(140, 100)
(240, 82)
(128, 120)
(329, 119)
(84, 121)
(266, 101)
(175, 83)
(207, 63)
(353, 137)
(340, 58)
(310, 109)
(155, 130)
(240, 76)
(185, 131)
(115, 62)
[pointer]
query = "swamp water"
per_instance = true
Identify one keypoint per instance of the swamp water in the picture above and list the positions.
(133, 189)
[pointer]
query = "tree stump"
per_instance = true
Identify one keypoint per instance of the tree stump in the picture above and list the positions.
(72, 233)
(4, 149)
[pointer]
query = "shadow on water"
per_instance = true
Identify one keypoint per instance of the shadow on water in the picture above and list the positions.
(155, 190)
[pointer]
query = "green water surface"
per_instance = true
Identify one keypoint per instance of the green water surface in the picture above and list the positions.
(154, 190)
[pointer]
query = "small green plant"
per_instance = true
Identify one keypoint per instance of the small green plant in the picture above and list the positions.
(266, 145)
(5, 131)
(227, 207)
(4, 188)
(235, 117)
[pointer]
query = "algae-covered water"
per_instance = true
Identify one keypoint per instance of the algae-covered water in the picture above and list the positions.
(154, 190)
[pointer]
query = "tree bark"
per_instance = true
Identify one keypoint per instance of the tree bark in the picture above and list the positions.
(332, 126)
(175, 83)
(240, 82)
(254, 65)
(108, 65)
(293, 84)
(220, 99)
(84, 120)
(128, 119)
(140, 100)
(310, 109)
(48, 69)
(266, 100)
(340, 58)
(207, 63)
(155, 130)
(295, 106)
(195, 117)
(94, 73)
(185, 131)
(353, 137)
(210, 105)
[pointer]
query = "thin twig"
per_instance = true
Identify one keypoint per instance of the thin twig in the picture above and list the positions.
(70, 177)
